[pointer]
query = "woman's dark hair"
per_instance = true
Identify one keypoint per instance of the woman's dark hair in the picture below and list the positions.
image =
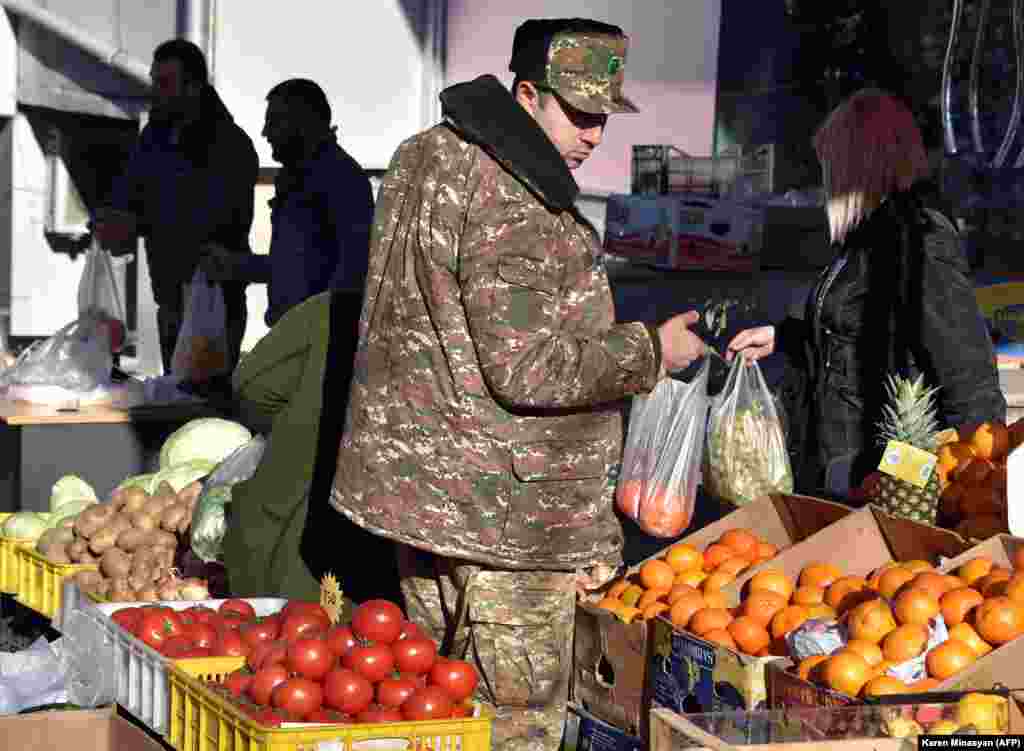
(307, 92)
(192, 59)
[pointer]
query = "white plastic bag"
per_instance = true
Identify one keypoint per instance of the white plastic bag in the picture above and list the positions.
(98, 295)
(661, 463)
(201, 351)
(76, 358)
(746, 456)
(209, 522)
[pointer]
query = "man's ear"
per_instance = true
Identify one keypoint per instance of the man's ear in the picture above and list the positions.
(528, 96)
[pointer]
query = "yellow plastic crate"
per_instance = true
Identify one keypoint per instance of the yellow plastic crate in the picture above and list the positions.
(202, 720)
(9, 559)
(40, 582)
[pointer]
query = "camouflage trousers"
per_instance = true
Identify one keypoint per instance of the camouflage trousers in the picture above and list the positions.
(515, 626)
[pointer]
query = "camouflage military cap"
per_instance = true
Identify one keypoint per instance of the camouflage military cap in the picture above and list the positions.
(582, 61)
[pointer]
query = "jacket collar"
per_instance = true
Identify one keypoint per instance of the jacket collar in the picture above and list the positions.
(485, 113)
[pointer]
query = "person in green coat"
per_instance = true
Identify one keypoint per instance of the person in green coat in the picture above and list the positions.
(282, 535)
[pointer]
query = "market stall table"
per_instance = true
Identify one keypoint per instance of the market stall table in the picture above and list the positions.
(101, 444)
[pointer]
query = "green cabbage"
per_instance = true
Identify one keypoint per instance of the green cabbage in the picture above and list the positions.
(138, 481)
(209, 438)
(26, 525)
(180, 475)
(209, 523)
(70, 488)
(72, 509)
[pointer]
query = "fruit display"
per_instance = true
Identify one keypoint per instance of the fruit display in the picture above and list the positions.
(301, 668)
(972, 475)
(889, 620)
(972, 714)
(685, 577)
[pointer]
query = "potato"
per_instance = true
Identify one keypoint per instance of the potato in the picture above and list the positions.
(64, 535)
(135, 499)
(116, 498)
(103, 540)
(67, 523)
(131, 539)
(143, 556)
(88, 578)
(78, 551)
(190, 493)
(186, 522)
(138, 581)
(160, 539)
(164, 560)
(92, 519)
(116, 564)
(144, 520)
(171, 517)
(56, 552)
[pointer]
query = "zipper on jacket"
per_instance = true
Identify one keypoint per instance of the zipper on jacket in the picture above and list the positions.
(829, 279)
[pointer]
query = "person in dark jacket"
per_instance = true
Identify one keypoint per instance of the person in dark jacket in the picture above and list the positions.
(896, 299)
(189, 182)
(321, 212)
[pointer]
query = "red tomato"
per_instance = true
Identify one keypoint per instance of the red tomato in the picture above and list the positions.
(265, 681)
(175, 646)
(456, 677)
(195, 652)
(329, 717)
(375, 714)
(410, 629)
(300, 624)
(298, 695)
(270, 717)
(241, 607)
(462, 710)
(127, 618)
(414, 654)
(310, 658)
(201, 634)
(259, 630)
(238, 682)
(200, 614)
(340, 640)
(430, 703)
(302, 607)
(232, 620)
(230, 644)
(378, 620)
(156, 626)
(374, 662)
(392, 692)
(267, 653)
(347, 691)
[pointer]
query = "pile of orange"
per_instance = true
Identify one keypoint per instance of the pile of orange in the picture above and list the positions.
(686, 575)
(972, 475)
(982, 605)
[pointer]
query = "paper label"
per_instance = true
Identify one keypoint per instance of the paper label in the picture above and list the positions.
(331, 597)
(907, 463)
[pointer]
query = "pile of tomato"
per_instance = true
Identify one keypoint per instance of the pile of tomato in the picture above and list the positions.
(301, 668)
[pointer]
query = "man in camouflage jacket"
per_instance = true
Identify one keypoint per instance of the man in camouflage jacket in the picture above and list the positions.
(481, 432)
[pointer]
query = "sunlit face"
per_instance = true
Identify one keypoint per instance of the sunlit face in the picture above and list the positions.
(172, 92)
(574, 133)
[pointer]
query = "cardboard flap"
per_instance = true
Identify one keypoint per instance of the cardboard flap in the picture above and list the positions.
(911, 541)
(804, 515)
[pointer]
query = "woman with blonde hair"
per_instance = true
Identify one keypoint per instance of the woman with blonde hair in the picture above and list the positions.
(895, 299)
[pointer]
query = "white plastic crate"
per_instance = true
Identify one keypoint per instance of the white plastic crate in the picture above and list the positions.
(142, 684)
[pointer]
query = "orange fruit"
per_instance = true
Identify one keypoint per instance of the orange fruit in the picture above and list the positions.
(846, 672)
(964, 632)
(891, 580)
(917, 566)
(999, 620)
(1018, 557)
(716, 599)
(707, 619)
(993, 584)
(1015, 588)
(883, 667)
(821, 611)
(990, 440)
(749, 635)
(972, 472)
(653, 610)
(948, 659)
(808, 664)
(925, 684)
(716, 580)
(741, 541)
(693, 578)
(933, 583)
(657, 574)
(681, 590)
(870, 621)
(733, 566)
(616, 590)
(914, 606)
(631, 596)
(685, 605)
(958, 603)
(714, 554)
(847, 592)
(720, 636)
(905, 642)
(870, 651)
(952, 454)
(766, 551)
(651, 596)
(762, 605)
(974, 569)
(683, 557)
(806, 595)
(787, 619)
(818, 574)
(611, 604)
(885, 684)
(771, 580)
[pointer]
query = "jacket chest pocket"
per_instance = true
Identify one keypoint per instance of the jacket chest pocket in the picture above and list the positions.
(558, 460)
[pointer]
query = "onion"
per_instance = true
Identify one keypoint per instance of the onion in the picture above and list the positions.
(194, 589)
(169, 588)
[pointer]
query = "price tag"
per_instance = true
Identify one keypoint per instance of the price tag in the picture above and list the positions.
(907, 463)
(331, 597)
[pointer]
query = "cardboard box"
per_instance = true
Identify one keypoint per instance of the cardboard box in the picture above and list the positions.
(687, 674)
(82, 730)
(585, 732)
(611, 657)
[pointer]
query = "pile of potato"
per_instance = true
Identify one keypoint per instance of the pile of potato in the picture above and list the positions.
(133, 538)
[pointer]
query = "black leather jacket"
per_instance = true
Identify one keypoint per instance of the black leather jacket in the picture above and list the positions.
(897, 298)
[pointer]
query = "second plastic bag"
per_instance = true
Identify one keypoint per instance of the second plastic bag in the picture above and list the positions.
(201, 351)
(746, 454)
(661, 463)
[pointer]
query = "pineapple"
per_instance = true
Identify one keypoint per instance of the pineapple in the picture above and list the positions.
(909, 417)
